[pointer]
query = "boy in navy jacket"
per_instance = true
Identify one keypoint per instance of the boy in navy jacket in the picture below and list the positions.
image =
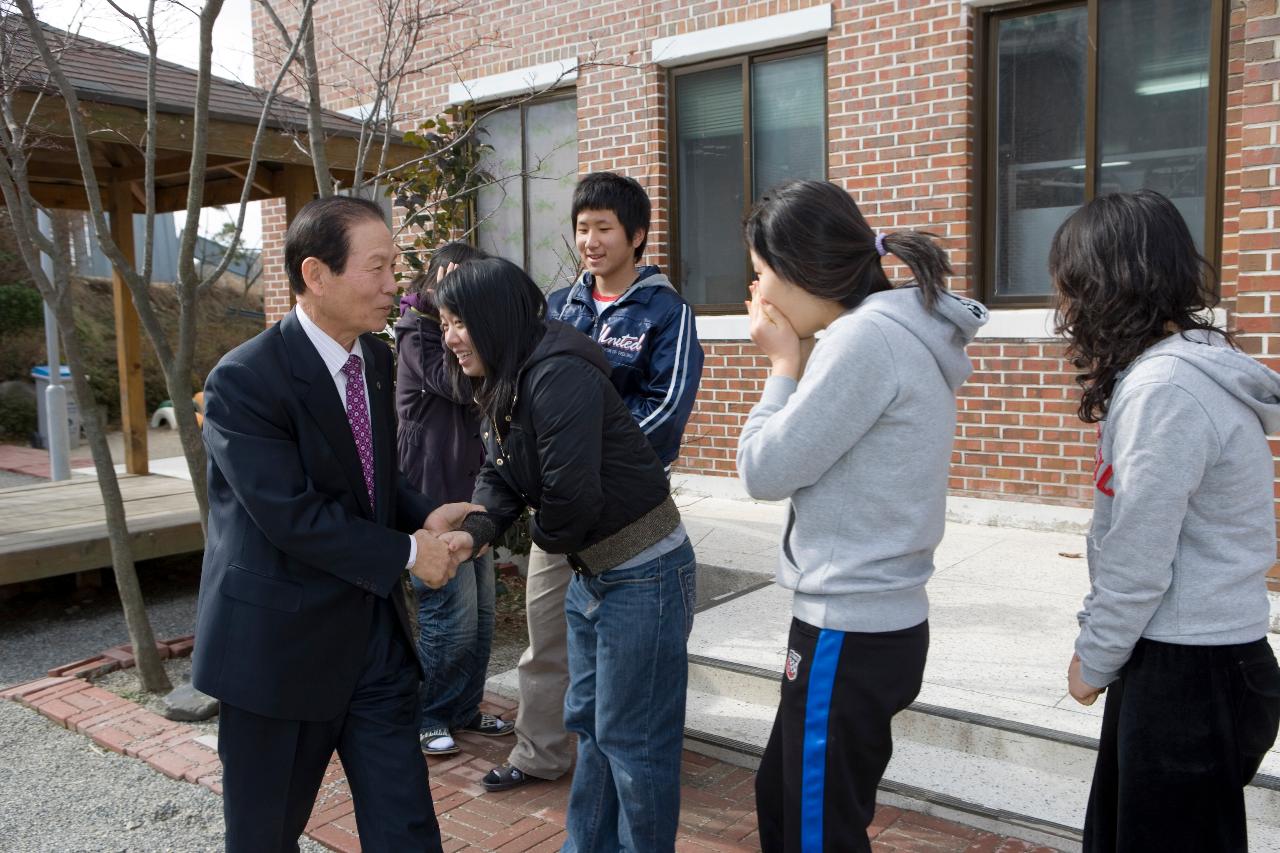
(647, 331)
(645, 327)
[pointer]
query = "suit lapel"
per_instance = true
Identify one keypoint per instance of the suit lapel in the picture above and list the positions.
(321, 399)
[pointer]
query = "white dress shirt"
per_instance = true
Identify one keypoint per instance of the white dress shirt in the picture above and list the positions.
(335, 356)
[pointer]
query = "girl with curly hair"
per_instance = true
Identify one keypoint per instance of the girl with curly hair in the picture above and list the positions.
(1183, 532)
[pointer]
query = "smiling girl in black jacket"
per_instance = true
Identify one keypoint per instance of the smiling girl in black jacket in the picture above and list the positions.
(560, 440)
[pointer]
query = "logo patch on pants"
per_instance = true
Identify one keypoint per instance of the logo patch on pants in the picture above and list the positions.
(793, 664)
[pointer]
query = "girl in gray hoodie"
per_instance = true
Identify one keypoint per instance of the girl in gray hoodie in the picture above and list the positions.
(860, 445)
(1183, 532)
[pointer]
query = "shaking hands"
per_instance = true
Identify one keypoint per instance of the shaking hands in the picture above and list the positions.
(441, 545)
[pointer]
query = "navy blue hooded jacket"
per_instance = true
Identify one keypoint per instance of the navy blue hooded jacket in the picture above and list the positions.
(650, 337)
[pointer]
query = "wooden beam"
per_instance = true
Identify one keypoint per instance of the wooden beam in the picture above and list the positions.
(261, 182)
(58, 196)
(65, 170)
(170, 167)
(113, 123)
(133, 403)
(217, 191)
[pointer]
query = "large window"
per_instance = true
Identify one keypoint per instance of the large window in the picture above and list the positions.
(740, 127)
(523, 215)
(1088, 98)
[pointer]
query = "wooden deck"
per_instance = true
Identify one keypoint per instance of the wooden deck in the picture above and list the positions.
(60, 528)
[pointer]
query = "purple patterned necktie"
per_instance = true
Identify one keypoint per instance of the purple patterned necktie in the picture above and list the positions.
(358, 415)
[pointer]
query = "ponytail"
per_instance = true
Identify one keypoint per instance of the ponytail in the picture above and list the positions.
(921, 253)
(812, 234)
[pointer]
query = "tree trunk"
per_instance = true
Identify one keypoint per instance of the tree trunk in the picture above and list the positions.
(177, 380)
(315, 120)
(150, 668)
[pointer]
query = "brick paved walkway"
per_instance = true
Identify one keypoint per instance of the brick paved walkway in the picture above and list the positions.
(717, 798)
(35, 463)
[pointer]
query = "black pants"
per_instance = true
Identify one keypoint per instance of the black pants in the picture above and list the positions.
(1184, 730)
(816, 787)
(272, 768)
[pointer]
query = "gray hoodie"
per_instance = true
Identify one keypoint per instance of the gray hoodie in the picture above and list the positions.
(861, 446)
(1183, 516)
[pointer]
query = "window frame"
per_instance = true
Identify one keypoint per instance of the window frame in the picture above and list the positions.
(479, 112)
(745, 61)
(983, 222)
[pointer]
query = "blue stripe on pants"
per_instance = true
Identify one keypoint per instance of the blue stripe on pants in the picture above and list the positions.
(822, 677)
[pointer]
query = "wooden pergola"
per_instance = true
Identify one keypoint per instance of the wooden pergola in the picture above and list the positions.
(110, 83)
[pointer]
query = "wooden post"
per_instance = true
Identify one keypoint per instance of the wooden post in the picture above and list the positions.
(298, 186)
(133, 403)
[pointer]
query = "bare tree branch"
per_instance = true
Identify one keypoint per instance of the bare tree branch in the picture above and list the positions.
(255, 153)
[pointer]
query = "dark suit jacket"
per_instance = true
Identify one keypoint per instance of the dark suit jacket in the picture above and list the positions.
(296, 559)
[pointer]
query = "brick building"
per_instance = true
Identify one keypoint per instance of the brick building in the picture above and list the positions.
(983, 122)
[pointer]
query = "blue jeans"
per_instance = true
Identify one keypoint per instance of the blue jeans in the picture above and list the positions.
(456, 635)
(628, 669)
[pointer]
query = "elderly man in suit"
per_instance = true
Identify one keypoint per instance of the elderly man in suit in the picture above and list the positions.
(301, 629)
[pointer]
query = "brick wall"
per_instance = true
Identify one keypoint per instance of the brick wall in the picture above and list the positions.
(1017, 435)
(902, 116)
(1252, 203)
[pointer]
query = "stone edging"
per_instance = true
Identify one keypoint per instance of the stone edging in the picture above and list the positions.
(68, 697)
(180, 751)
(121, 657)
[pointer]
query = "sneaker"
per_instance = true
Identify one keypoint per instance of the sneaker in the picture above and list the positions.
(504, 777)
(490, 726)
(438, 741)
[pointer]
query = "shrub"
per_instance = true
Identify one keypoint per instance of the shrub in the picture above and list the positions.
(20, 308)
(17, 412)
(21, 351)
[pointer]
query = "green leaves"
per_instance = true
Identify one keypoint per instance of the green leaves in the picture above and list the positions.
(438, 191)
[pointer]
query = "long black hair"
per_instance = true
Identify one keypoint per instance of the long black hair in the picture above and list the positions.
(812, 234)
(1128, 274)
(456, 252)
(504, 313)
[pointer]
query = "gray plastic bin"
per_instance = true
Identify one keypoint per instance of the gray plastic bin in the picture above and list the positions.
(40, 373)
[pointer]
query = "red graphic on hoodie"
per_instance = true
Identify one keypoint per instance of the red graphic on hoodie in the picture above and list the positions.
(1102, 473)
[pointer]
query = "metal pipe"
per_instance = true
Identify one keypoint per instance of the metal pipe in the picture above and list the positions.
(55, 396)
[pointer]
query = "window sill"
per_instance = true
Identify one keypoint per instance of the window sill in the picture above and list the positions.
(1005, 324)
(743, 37)
(531, 80)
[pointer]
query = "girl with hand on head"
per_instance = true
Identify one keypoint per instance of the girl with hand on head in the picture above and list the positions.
(855, 430)
(439, 450)
(1183, 533)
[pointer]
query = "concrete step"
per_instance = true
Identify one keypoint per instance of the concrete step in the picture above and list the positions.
(999, 775)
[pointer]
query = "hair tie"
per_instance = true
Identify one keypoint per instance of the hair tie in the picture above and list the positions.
(880, 249)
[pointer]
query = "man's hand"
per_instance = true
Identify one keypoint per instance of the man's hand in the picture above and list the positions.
(435, 565)
(1080, 690)
(448, 517)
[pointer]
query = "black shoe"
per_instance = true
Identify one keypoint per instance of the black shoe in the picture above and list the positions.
(490, 726)
(504, 777)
